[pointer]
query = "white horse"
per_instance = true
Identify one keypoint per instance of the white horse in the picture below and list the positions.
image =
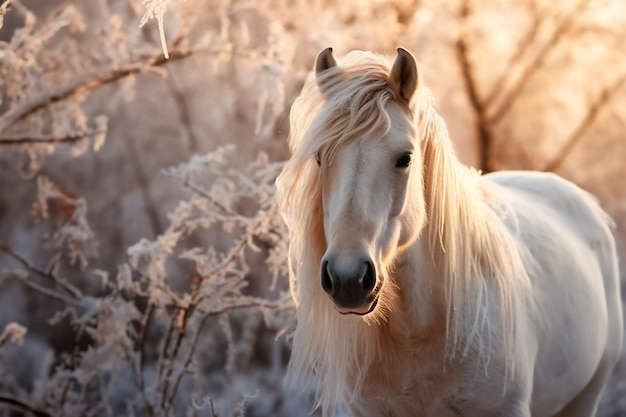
(424, 288)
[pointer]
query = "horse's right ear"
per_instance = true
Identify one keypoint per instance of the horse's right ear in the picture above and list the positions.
(325, 60)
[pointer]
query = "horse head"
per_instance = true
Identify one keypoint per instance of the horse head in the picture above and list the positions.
(371, 176)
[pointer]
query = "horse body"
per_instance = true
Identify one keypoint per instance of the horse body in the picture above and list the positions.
(571, 342)
(424, 288)
(579, 317)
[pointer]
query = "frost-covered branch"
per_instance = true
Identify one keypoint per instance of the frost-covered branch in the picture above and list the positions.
(49, 274)
(71, 137)
(83, 85)
(50, 68)
(220, 276)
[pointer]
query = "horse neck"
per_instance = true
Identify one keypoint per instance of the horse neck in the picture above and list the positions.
(420, 308)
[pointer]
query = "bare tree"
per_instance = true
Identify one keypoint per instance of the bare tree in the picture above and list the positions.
(552, 31)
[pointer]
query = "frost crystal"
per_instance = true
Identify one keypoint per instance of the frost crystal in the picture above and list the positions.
(155, 9)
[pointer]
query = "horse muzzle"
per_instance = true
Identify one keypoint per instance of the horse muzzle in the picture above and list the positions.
(350, 283)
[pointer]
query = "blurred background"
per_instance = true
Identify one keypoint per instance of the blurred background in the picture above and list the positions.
(93, 115)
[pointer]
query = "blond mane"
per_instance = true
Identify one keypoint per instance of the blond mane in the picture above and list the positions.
(469, 244)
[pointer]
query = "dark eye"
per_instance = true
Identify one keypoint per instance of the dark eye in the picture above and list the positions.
(318, 159)
(404, 161)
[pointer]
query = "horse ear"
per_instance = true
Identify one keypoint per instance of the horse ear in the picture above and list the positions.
(325, 60)
(403, 77)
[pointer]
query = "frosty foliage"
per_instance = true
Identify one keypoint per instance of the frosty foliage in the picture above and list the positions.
(119, 325)
(184, 322)
(42, 104)
(49, 67)
(181, 305)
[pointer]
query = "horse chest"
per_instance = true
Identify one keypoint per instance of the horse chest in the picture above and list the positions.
(411, 375)
(428, 396)
(413, 382)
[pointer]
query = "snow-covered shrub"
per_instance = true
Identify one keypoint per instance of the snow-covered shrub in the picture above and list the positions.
(146, 334)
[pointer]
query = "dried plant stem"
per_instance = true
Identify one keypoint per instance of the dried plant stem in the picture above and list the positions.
(48, 274)
(66, 388)
(143, 181)
(84, 85)
(71, 137)
(188, 360)
(181, 334)
(145, 322)
(182, 331)
(184, 113)
(98, 79)
(166, 343)
(23, 406)
(213, 313)
(204, 193)
(238, 248)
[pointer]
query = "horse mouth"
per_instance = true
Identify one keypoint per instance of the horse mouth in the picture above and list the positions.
(359, 311)
(362, 310)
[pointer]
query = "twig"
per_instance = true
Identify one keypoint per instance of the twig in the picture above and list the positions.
(142, 342)
(204, 193)
(71, 137)
(21, 405)
(241, 245)
(143, 180)
(182, 331)
(194, 343)
(168, 336)
(102, 78)
(85, 85)
(183, 112)
(72, 290)
(48, 292)
(592, 113)
(187, 362)
(212, 407)
(66, 389)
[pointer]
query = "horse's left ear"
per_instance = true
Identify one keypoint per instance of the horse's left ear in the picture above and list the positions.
(325, 60)
(403, 77)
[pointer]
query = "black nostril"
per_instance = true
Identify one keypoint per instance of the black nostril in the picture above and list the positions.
(369, 278)
(327, 280)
